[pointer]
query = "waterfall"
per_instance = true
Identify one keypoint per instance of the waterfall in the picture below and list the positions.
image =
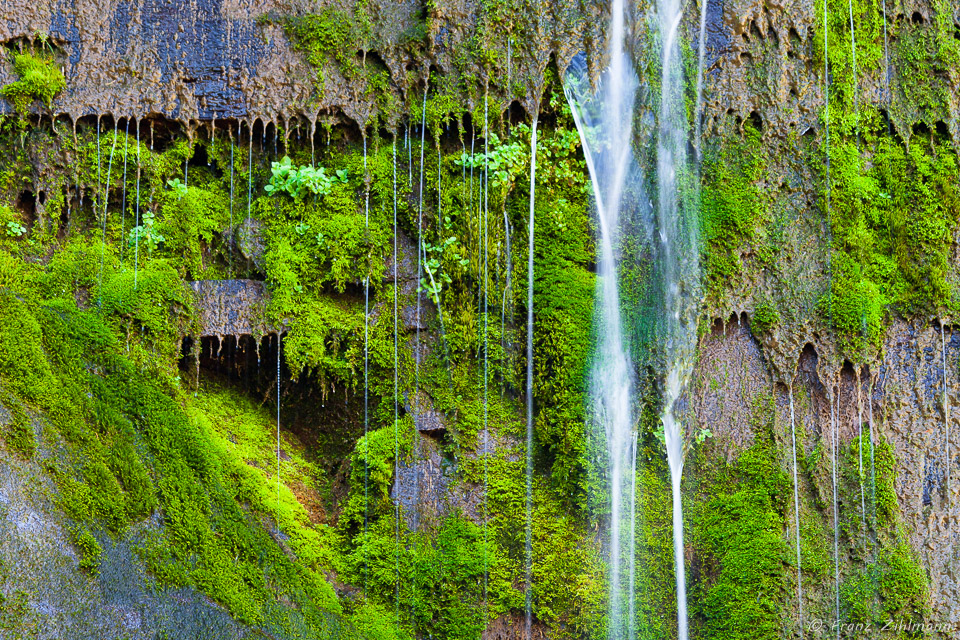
(423, 132)
(834, 411)
(530, 228)
(604, 122)
(679, 265)
(796, 509)
(249, 173)
(701, 59)
(278, 429)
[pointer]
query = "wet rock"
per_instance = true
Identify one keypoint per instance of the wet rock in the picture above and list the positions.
(249, 240)
(427, 419)
(230, 307)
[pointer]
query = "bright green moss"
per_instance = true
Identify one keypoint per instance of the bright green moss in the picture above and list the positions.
(765, 317)
(742, 542)
(90, 549)
(39, 79)
(732, 206)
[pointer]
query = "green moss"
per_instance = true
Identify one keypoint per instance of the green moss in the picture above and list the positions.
(39, 79)
(90, 549)
(765, 317)
(732, 206)
(742, 542)
(18, 433)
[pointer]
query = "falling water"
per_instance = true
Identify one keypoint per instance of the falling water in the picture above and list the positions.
(232, 230)
(506, 288)
(679, 266)
(835, 427)
(366, 358)
(123, 198)
(834, 411)
(702, 56)
(136, 255)
(604, 121)
(486, 408)
(530, 233)
(423, 131)
(632, 564)
(396, 387)
(278, 429)
(796, 509)
(946, 418)
(249, 174)
(863, 491)
(106, 202)
(873, 468)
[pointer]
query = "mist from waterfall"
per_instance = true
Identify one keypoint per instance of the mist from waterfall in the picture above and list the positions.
(604, 121)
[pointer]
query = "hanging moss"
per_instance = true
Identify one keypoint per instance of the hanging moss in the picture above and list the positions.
(39, 79)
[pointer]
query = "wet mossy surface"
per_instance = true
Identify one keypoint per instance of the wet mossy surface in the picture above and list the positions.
(94, 307)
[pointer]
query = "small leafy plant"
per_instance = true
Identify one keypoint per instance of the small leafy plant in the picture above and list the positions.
(146, 233)
(290, 179)
(179, 189)
(15, 229)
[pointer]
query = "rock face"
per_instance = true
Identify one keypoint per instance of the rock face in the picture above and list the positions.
(45, 591)
(230, 307)
(230, 59)
(909, 410)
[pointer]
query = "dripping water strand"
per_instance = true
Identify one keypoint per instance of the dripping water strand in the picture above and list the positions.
(856, 99)
(834, 417)
(136, 250)
(860, 476)
(396, 392)
(232, 230)
(249, 174)
(106, 203)
(278, 429)
(946, 421)
(486, 350)
(423, 131)
(835, 447)
(123, 198)
(632, 562)
(796, 510)
(530, 233)
(366, 367)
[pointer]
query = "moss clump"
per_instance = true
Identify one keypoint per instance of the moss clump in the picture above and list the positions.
(732, 206)
(765, 317)
(40, 79)
(743, 542)
(18, 433)
(90, 549)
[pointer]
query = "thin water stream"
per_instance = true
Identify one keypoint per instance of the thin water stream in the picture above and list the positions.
(528, 596)
(796, 510)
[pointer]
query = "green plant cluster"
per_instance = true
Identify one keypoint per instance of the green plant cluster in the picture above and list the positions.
(39, 79)
(289, 179)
